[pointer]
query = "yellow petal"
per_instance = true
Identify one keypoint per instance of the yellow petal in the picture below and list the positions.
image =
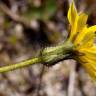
(74, 30)
(91, 50)
(81, 27)
(87, 39)
(77, 22)
(90, 33)
(80, 36)
(92, 28)
(92, 57)
(72, 13)
(90, 66)
(88, 60)
(82, 21)
(90, 70)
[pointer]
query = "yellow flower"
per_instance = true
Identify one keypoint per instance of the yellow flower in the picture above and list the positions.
(83, 37)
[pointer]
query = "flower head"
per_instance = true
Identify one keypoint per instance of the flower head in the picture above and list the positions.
(83, 37)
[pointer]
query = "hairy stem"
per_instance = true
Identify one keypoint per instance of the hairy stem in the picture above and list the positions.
(48, 56)
(19, 65)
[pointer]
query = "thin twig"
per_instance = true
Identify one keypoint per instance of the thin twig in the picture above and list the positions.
(40, 81)
(72, 80)
(13, 16)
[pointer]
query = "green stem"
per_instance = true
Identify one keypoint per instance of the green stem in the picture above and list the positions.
(49, 56)
(19, 65)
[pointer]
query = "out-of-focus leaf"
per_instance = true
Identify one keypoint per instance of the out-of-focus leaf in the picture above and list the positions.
(43, 12)
(50, 9)
(33, 13)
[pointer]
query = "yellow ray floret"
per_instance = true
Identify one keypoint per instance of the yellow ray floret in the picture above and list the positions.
(76, 21)
(72, 13)
(83, 37)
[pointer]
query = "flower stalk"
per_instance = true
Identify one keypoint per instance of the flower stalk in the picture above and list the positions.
(48, 56)
(19, 65)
